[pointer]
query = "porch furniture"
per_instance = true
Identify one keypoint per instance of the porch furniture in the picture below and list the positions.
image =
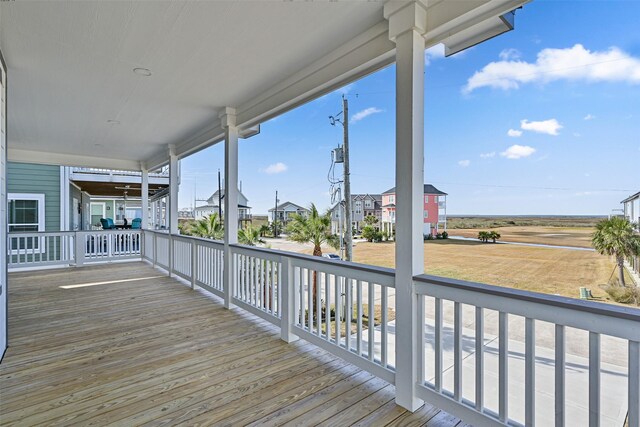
(136, 224)
(107, 223)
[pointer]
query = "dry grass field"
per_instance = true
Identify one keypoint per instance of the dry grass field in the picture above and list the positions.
(547, 270)
(559, 236)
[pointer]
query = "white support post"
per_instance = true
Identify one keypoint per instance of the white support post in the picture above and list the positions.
(144, 191)
(173, 191)
(228, 122)
(287, 311)
(80, 248)
(407, 22)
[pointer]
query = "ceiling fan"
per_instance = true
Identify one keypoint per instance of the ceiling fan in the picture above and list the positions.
(128, 187)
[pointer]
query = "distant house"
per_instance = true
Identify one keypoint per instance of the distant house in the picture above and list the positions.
(214, 206)
(631, 206)
(434, 214)
(285, 211)
(185, 213)
(362, 205)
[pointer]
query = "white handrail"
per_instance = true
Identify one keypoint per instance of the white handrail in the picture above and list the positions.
(599, 320)
(32, 250)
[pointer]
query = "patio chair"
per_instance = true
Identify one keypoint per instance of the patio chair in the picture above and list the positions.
(107, 224)
(136, 224)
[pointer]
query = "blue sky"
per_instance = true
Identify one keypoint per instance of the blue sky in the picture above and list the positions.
(542, 120)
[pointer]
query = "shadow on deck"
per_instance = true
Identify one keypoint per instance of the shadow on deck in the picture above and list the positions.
(125, 344)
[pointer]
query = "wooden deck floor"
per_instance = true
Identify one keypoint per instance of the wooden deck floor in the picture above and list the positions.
(124, 344)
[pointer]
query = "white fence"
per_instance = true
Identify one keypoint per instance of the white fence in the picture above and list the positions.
(41, 249)
(63, 248)
(557, 315)
(490, 355)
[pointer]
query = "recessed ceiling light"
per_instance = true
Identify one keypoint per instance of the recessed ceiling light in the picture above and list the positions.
(142, 71)
(113, 122)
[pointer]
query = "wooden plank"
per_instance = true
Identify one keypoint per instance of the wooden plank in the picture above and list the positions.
(332, 410)
(313, 403)
(417, 418)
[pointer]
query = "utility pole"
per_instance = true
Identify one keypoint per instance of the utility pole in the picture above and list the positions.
(275, 217)
(347, 184)
(219, 197)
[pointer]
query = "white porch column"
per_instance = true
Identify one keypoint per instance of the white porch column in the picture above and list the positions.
(173, 191)
(144, 190)
(407, 21)
(228, 121)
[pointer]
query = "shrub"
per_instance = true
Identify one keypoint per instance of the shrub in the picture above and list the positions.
(428, 237)
(377, 237)
(439, 236)
(369, 233)
(623, 294)
(385, 236)
(445, 235)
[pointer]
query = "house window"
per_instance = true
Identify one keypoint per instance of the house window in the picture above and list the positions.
(426, 214)
(392, 199)
(426, 199)
(367, 203)
(26, 215)
(26, 212)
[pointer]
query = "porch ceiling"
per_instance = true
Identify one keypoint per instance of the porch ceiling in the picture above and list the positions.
(70, 69)
(71, 66)
(114, 189)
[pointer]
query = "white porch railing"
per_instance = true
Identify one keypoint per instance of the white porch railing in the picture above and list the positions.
(556, 315)
(480, 358)
(59, 248)
(278, 287)
(40, 249)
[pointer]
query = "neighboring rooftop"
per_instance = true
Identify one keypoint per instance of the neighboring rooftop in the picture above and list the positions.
(428, 189)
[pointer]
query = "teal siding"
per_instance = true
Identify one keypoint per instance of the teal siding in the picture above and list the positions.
(38, 179)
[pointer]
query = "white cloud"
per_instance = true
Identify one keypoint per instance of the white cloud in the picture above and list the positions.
(589, 117)
(550, 127)
(510, 54)
(435, 52)
(514, 133)
(573, 64)
(275, 168)
(577, 134)
(518, 151)
(345, 89)
(464, 163)
(487, 155)
(364, 113)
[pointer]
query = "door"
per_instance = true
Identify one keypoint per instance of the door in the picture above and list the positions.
(4, 321)
(75, 214)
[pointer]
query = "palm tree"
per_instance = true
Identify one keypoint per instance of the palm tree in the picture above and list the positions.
(264, 230)
(494, 235)
(249, 236)
(483, 236)
(615, 236)
(313, 228)
(209, 227)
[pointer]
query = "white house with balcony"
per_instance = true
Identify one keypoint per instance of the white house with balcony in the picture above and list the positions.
(284, 212)
(188, 331)
(216, 203)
